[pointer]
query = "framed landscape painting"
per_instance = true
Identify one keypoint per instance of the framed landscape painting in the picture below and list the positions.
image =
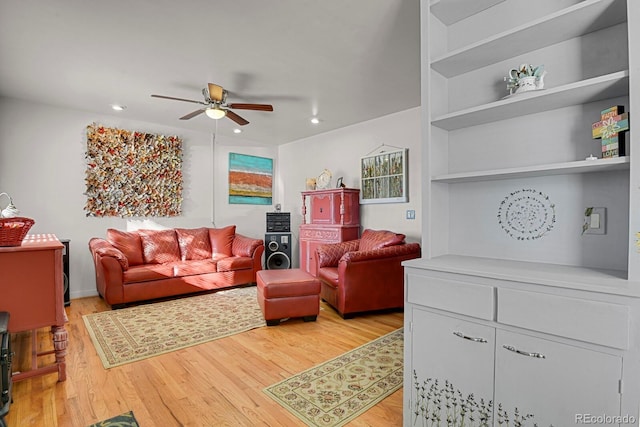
(383, 177)
(250, 179)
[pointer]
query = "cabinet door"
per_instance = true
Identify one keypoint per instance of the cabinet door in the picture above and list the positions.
(322, 209)
(449, 349)
(555, 382)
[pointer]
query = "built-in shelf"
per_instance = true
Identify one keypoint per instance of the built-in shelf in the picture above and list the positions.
(452, 11)
(582, 18)
(582, 92)
(581, 166)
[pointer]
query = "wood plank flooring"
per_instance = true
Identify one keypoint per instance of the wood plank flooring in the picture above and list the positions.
(213, 384)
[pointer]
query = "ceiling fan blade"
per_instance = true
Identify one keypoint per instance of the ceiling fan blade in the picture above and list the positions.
(179, 99)
(193, 114)
(216, 93)
(258, 107)
(236, 118)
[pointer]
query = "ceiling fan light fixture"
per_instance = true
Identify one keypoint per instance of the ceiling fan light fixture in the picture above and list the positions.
(215, 113)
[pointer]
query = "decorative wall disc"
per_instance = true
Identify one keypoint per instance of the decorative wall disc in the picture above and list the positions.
(526, 214)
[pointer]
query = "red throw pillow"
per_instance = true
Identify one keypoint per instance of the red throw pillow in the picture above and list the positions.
(128, 243)
(194, 243)
(378, 239)
(222, 240)
(159, 246)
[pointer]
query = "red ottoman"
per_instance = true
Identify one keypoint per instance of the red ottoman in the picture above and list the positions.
(290, 293)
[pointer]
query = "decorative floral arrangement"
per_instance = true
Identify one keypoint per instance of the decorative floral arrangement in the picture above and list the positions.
(527, 77)
(132, 173)
(438, 405)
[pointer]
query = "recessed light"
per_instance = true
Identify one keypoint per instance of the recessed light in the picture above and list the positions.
(236, 130)
(315, 120)
(118, 107)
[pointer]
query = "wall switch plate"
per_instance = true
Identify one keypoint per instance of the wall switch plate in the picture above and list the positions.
(596, 222)
(411, 214)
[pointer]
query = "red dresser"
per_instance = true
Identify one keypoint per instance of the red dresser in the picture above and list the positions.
(334, 216)
(32, 291)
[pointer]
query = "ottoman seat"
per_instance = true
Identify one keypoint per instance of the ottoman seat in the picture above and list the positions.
(284, 294)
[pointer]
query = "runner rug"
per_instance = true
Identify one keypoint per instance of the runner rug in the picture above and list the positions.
(136, 333)
(124, 420)
(337, 391)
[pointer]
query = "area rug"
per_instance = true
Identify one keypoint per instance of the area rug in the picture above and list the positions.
(124, 420)
(136, 333)
(337, 391)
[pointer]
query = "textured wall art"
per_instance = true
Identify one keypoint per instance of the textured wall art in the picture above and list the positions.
(132, 173)
(250, 179)
(527, 214)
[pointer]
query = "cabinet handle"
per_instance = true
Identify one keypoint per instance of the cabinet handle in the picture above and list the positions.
(474, 339)
(524, 353)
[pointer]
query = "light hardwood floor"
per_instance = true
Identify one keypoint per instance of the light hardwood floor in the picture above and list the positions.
(213, 384)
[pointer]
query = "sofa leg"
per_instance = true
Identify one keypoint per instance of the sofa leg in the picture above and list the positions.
(348, 316)
(118, 306)
(273, 322)
(309, 318)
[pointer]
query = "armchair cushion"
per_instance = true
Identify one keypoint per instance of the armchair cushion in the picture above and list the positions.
(160, 246)
(376, 239)
(222, 240)
(329, 254)
(194, 243)
(128, 243)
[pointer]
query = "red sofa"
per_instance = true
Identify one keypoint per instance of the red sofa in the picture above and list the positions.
(364, 274)
(148, 264)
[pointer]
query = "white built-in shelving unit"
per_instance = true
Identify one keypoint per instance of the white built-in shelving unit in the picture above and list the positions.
(572, 296)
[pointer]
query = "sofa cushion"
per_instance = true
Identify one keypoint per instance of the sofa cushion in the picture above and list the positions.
(377, 239)
(233, 263)
(128, 243)
(222, 240)
(147, 273)
(159, 246)
(193, 267)
(194, 243)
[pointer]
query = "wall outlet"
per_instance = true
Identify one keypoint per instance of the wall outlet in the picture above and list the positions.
(595, 221)
(411, 214)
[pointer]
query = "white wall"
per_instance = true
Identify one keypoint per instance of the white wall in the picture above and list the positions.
(42, 167)
(340, 152)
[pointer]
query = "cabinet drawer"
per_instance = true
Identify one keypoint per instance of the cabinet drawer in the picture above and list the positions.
(591, 321)
(451, 295)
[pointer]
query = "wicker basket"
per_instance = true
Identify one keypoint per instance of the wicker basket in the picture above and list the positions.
(13, 230)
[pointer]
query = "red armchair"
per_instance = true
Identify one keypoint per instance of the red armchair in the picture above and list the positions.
(364, 274)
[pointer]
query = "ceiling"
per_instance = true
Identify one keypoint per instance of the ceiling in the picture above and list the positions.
(344, 61)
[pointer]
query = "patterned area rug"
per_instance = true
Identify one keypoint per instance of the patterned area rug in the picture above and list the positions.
(136, 333)
(337, 391)
(124, 420)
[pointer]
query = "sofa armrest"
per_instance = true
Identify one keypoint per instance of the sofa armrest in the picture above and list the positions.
(382, 253)
(102, 248)
(329, 254)
(245, 246)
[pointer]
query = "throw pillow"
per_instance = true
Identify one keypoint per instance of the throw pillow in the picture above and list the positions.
(378, 239)
(128, 243)
(194, 243)
(222, 240)
(159, 246)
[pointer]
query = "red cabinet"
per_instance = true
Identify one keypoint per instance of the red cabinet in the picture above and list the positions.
(334, 216)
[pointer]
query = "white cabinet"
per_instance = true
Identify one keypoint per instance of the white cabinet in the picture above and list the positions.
(468, 361)
(542, 350)
(555, 382)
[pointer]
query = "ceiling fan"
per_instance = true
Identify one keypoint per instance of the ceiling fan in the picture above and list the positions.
(215, 100)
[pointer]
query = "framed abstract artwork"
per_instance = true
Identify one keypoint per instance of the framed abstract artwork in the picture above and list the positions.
(250, 180)
(383, 177)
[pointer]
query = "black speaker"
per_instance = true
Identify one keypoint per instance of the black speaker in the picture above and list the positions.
(65, 270)
(277, 251)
